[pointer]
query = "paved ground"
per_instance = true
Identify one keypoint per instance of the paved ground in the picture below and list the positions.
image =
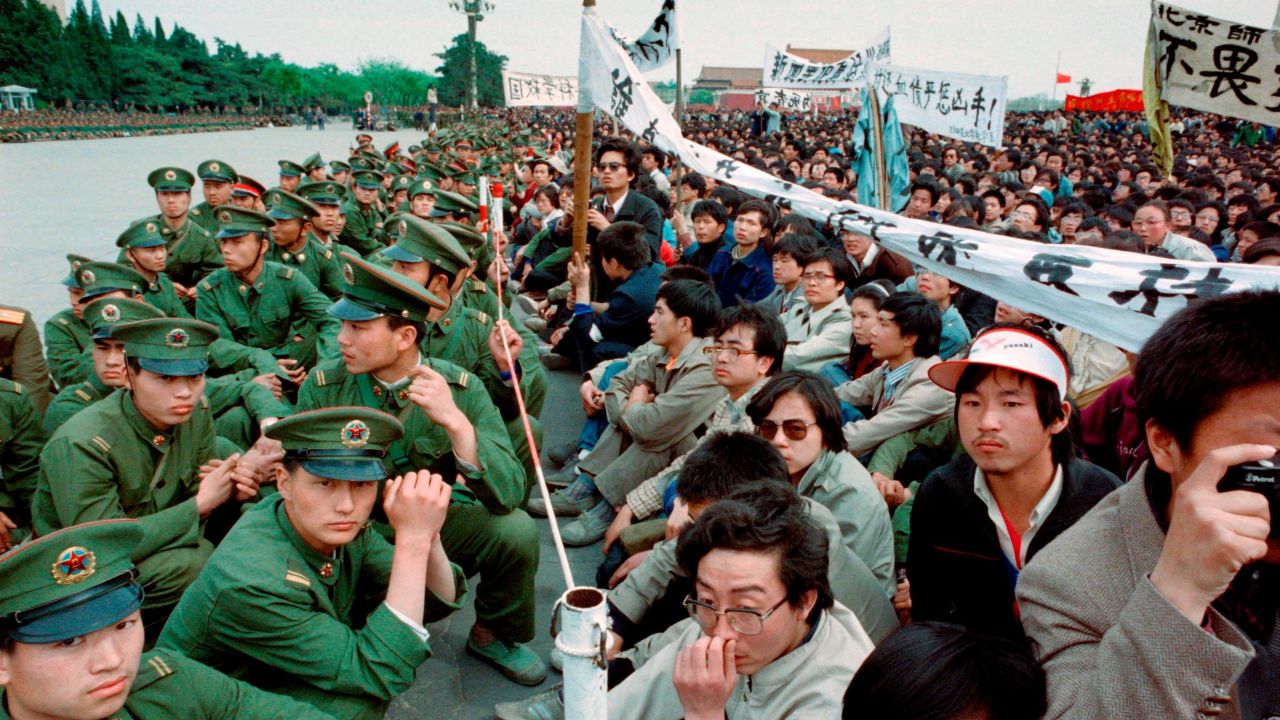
(454, 685)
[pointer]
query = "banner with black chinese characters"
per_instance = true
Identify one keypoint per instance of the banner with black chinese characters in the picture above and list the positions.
(965, 107)
(785, 70)
(1119, 297)
(1113, 101)
(658, 45)
(784, 99)
(1217, 65)
(525, 90)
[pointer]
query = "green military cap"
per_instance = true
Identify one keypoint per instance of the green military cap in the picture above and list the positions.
(418, 240)
(431, 147)
(105, 313)
(167, 346)
(284, 205)
(338, 166)
(391, 169)
(469, 238)
(100, 278)
(367, 179)
(451, 202)
(465, 178)
(71, 582)
(370, 291)
(75, 261)
(373, 155)
(236, 221)
(415, 149)
(431, 171)
(313, 162)
(402, 182)
(361, 163)
(323, 192)
(171, 179)
(289, 168)
(216, 170)
(421, 187)
(339, 443)
(141, 234)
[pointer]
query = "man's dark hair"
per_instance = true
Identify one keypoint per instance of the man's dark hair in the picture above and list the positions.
(923, 184)
(695, 181)
(1269, 247)
(729, 197)
(1048, 402)
(940, 671)
(694, 300)
(768, 213)
(706, 477)
(994, 193)
(917, 315)
(765, 517)
(718, 212)
(630, 155)
(770, 335)
(1193, 363)
(798, 246)
(816, 391)
(658, 156)
(419, 329)
(1261, 228)
(687, 272)
(840, 264)
(624, 242)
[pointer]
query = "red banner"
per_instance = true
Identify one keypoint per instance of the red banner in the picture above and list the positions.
(1114, 101)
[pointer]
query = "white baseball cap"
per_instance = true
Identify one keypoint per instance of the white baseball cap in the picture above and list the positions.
(1009, 348)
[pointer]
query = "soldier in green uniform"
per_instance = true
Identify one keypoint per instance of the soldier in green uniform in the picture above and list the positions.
(139, 453)
(451, 428)
(21, 359)
(290, 175)
(399, 193)
(422, 198)
(363, 231)
(314, 167)
(192, 250)
(71, 640)
(108, 359)
(259, 304)
(247, 193)
(302, 598)
(339, 171)
(292, 247)
(66, 335)
(21, 439)
(328, 197)
(147, 252)
(217, 183)
(453, 207)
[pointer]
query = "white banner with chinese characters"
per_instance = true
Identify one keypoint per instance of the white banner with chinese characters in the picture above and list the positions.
(658, 45)
(785, 99)
(525, 90)
(1120, 297)
(1217, 65)
(785, 70)
(965, 107)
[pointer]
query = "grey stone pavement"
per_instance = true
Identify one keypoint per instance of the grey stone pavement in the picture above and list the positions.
(454, 685)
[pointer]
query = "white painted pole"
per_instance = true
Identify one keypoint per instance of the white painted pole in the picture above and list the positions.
(584, 633)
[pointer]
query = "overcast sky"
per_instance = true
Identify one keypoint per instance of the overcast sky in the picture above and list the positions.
(1098, 39)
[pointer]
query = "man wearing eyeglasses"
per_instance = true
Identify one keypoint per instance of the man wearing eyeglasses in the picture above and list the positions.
(820, 333)
(617, 164)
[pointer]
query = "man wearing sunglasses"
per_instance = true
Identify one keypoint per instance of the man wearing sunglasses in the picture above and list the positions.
(617, 164)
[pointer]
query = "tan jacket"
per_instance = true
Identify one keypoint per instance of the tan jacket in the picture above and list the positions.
(807, 683)
(686, 395)
(1111, 645)
(819, 337)
(916, 403)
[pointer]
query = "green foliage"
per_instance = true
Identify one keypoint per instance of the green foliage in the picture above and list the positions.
(454, 69)
(89, 60)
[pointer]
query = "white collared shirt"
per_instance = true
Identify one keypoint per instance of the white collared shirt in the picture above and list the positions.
(1039, 514)
(867, 259)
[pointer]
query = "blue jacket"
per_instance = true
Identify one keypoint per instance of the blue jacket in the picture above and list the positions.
(745, 280)
(626, 320)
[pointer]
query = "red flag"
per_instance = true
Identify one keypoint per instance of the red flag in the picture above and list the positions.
(1063, 78)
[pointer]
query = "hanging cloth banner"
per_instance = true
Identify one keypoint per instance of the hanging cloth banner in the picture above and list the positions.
(1119, 297)
(525, 90)
(658, 45)
(785, 99)
(1113, 101)
(964, 107)
(1217, 65)
(782, 69)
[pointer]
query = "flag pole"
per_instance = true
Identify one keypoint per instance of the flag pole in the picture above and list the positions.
(582, 170)
(679, 169)
(1057, 68)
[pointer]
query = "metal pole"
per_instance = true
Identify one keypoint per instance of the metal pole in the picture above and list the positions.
(472, 102)
(583, 640)
(679, 169)
(582, 171)
(1057, 67)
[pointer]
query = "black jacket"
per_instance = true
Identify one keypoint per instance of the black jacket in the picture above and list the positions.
(957, 570)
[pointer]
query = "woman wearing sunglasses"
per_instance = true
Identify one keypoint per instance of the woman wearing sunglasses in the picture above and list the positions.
(798, 413)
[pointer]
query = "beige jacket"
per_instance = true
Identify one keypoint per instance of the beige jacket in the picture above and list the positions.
(916, 403)
(819, 337)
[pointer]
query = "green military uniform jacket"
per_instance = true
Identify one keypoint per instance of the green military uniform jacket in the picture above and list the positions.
(169, 685)
(21, 359)
(318, 263)
(69, 348)
(499, 484)
(270, 609)
(161, 295)
(263, 315)
(108, 462)
(478, 295)
(193, 252)
(202, 215)
(71, 400)
(363, 231)
(20, 441)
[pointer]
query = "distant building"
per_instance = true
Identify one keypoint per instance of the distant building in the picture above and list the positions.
(58, 6)
(819, 55)
(17, 98)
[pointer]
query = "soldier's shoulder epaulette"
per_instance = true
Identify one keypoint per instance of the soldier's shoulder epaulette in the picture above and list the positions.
(284, 272)
(61, 319)
(212, 280)
(479, 286)
(295, 576)
(82, 394)
(10, 386)
(328, 373)
(452, 374)
(204, 402)
(328, 254)
(195, 212)
(12, 316)
(155, 665)
(477, 315)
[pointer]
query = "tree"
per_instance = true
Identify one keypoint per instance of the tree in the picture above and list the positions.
(454, 77)
(120, 33)
(393, 83)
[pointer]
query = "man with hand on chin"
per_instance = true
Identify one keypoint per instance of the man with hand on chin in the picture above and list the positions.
(302, 598)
